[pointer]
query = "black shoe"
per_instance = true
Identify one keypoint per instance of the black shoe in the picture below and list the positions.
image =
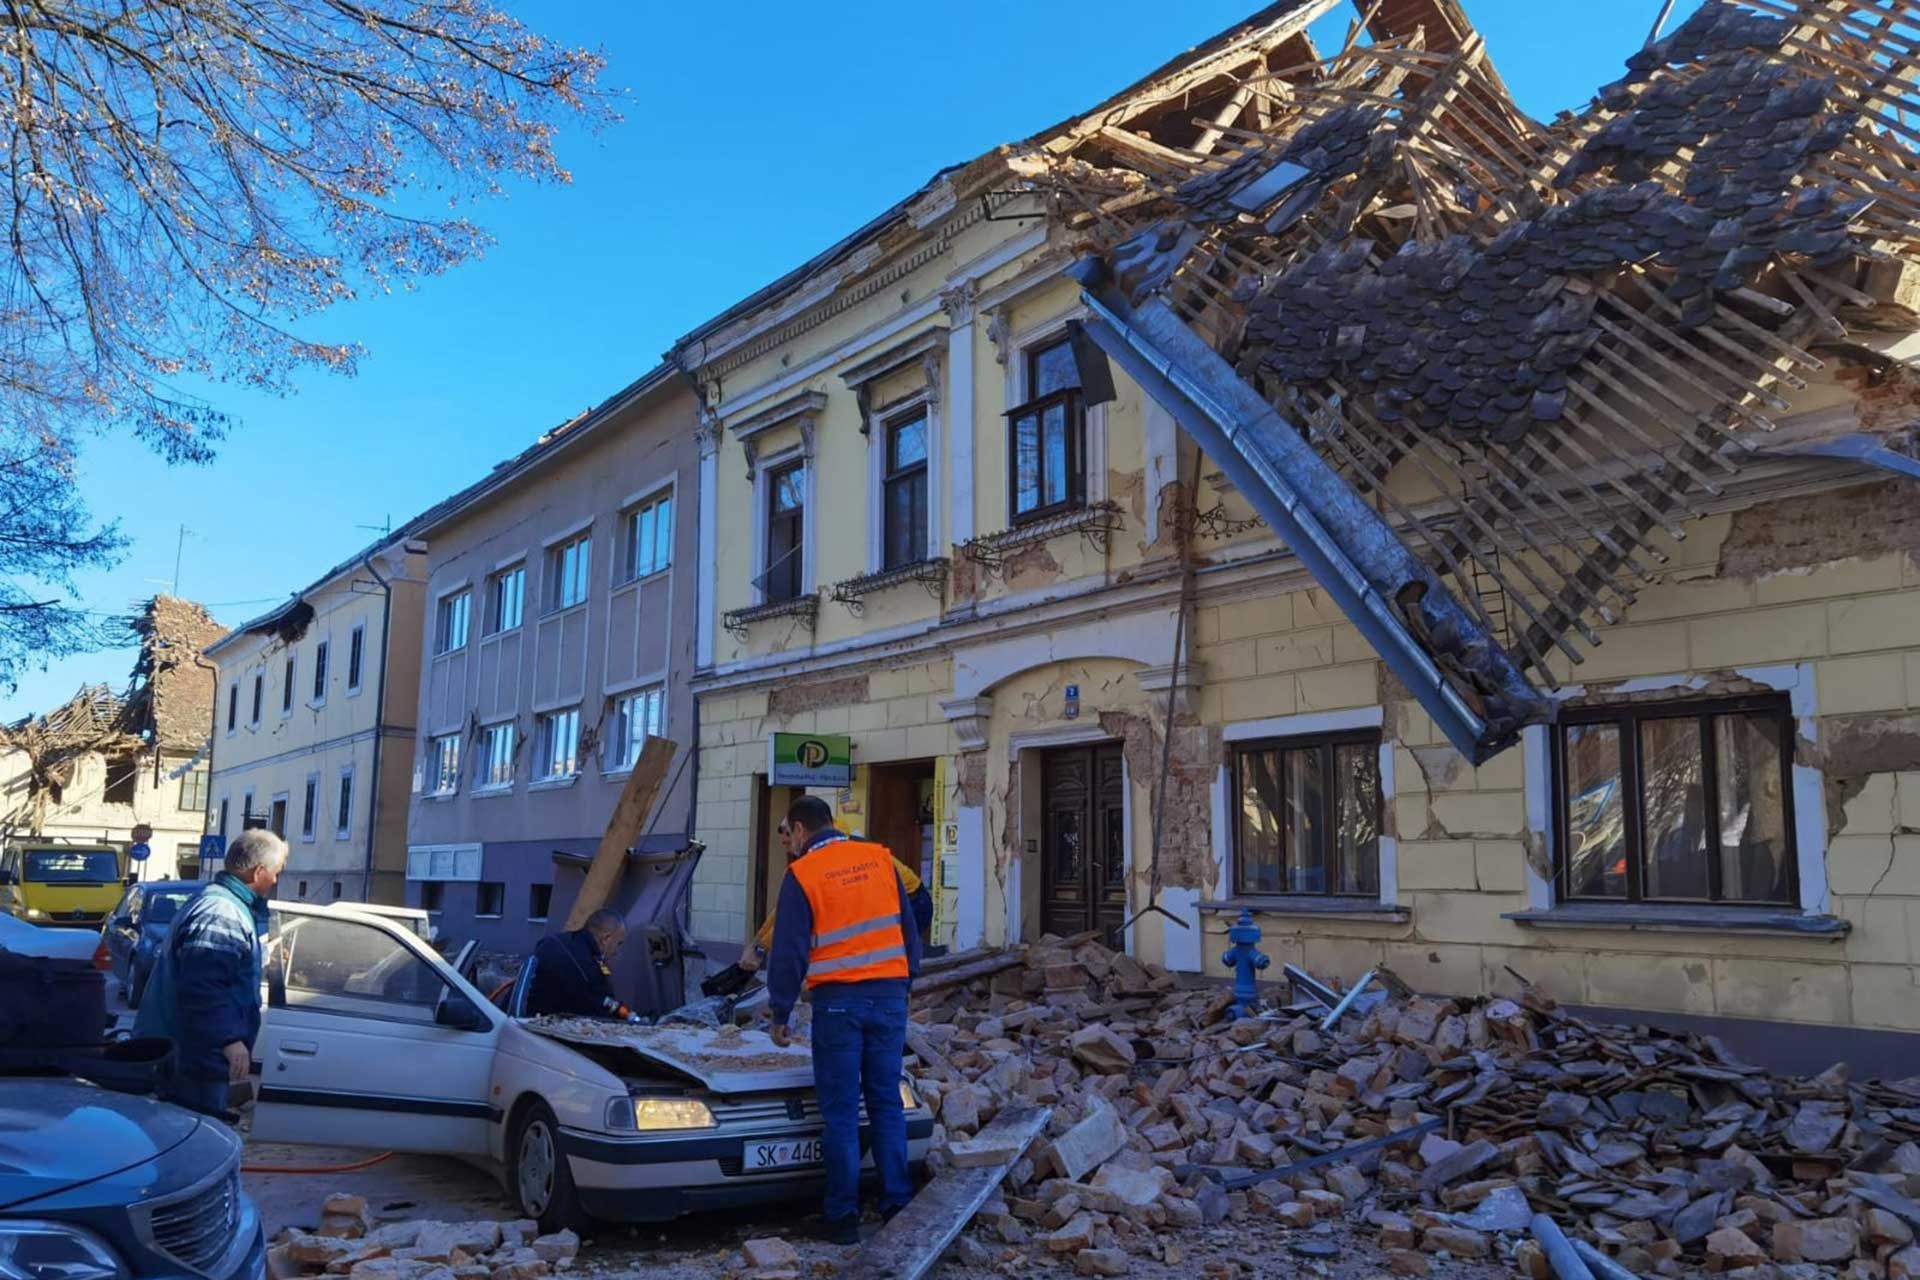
(842, 1231)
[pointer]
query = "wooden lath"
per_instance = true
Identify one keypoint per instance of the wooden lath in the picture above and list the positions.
(1678, 372)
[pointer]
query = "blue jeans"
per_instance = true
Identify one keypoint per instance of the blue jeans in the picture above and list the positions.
(858, 1046)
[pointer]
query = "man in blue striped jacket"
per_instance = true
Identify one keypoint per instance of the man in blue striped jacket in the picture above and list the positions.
(205, 991)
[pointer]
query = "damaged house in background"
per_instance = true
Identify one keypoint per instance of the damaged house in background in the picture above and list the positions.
(1306, 484)
(103, 763)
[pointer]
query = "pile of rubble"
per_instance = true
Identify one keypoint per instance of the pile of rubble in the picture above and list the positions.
(1462, 1129)
(348, 1243)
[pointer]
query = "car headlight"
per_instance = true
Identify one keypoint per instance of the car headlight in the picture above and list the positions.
(907, 1099)
(35, 913)
(35, 1250)
(651, 1114)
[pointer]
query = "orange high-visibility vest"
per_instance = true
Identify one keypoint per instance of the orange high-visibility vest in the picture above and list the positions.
(854, 891)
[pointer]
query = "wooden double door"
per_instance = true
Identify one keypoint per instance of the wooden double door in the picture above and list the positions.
(1083, 846)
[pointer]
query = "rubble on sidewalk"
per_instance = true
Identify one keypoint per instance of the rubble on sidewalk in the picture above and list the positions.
(348, 1243)
(1442, 1125)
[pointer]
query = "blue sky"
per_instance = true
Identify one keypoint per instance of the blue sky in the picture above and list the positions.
(754, 136)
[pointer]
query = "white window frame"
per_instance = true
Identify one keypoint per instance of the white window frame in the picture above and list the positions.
(280, 797)
(433, 621)
(924, 401)
(809, 525)
(1040, 334)
(356, 637)
(224, 806)
(632, 507)
(552, 553)
(310, 802)
(544, 751)
(290, 672)
(492, 581)
(322, 672)
(258, 707)
(1302, 726)
(233, 708)
(1798, 682)
(344, 830)
(613, 760)
(442, 782)
(483, 759)
(246, 807)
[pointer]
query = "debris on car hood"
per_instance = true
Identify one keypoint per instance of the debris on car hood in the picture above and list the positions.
(726, 1059)
(1442, 1125)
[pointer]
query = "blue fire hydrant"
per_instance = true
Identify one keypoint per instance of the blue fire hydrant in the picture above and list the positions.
(1245, 959)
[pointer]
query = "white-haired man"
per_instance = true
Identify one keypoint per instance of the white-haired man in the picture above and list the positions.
(204, 994)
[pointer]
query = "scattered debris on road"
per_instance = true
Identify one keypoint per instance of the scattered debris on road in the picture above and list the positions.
(1445, 1127)
(349, 1243)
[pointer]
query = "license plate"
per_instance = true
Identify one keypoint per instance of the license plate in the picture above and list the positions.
(780, 1155)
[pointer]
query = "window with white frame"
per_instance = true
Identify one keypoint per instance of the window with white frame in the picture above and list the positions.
(259, 693)
(493, 768)
(903, 490)
(1679, 802)
(1306, 815)
(785, 575)
(233, 705)
(648, 529)
(450, 621)
(320, 671)
(193, 791)
(356, 656)
(343, 807)
(506, 599)
(310, 807)
(559, 744)
(286, 689)
(635, 716)
(569, 564)
(443, 764)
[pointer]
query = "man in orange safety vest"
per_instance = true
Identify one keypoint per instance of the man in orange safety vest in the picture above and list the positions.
(845, 927)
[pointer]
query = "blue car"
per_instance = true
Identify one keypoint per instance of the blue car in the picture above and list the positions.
(97, 1185)
(133, 933)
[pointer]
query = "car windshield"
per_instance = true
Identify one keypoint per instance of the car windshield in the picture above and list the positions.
(72, 866)
(162, 907)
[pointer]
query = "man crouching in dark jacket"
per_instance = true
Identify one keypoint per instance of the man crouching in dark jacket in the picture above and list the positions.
(572, 973)
(205, 991)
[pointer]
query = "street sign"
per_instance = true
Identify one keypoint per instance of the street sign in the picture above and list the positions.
(213, 848)
(139, 851)
(809, 760)
(142, 832)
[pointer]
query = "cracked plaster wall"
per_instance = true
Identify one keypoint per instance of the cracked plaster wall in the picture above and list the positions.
(1820, 597)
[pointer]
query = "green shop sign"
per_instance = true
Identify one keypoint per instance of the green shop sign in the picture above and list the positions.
(809, 760)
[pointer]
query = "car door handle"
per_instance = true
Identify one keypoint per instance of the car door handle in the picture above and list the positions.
(299, 1048)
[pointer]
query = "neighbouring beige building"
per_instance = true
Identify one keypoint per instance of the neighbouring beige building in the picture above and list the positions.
(313, 725)
(1591, 652)
(103, 766)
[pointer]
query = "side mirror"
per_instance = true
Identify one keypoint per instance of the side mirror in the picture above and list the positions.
(460, 1013)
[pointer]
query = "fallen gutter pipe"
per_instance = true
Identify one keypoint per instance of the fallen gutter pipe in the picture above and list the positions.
(1565, 1262)
(379, 725)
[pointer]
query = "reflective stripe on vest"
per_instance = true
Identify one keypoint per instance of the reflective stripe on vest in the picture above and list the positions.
(853, 889)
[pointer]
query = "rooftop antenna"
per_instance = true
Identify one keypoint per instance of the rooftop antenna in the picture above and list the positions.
(384, 530)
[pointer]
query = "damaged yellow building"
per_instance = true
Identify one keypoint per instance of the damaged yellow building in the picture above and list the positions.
(1305, 485)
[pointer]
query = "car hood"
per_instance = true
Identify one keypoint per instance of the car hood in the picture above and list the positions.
(730, 1060)
(56, 1134)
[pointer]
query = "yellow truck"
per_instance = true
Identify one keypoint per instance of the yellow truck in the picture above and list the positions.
(61, 884)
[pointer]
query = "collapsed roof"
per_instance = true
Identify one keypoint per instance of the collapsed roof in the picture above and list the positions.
(1472, 367)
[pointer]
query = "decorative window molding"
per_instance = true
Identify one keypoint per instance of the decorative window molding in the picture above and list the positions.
(805, 608)
(356, 658)
(1096, 522)
(925, 347)
(929, 348)
(1011, 350)
(803, 410)
(931, 574)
